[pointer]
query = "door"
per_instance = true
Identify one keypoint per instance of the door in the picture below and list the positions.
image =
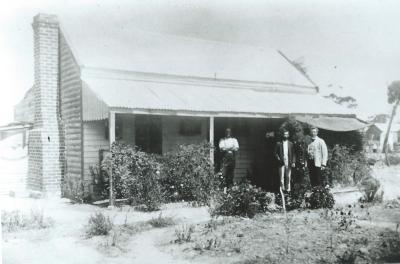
(148, 133)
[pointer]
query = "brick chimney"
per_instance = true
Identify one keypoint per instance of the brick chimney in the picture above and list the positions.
(45, 159)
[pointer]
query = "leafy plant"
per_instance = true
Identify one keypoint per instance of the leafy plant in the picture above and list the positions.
(136, 175)
(184, 233)
(242, 200)
(394, 159)
(321, 198)
(346, 166)
(98, 225)
(16, 220)
(370, 187)
(161, 221)
(75, 190)
(188, 174)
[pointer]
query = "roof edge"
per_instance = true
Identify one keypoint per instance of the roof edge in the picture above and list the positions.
(105, 73)
(153, 111)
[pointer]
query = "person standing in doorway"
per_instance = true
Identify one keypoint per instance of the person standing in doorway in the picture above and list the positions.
(286, 157)
(317, 159)
(229, 147)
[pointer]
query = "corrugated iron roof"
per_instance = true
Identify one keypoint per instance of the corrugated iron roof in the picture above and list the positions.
(383, 127)
(104, 43)
(334, 123)
(192, 97)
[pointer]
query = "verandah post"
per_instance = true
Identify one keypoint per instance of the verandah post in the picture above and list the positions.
(111, 127)
(212, 139)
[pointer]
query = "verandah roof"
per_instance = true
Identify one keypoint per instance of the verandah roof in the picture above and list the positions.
(102, 94)
(334, 123)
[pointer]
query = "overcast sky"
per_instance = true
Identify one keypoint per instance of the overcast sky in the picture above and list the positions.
(349, 47)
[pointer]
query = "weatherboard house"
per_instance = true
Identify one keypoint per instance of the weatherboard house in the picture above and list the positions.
(157, 91)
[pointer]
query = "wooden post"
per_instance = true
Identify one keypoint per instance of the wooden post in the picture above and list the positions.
(111, 133)
(212, 139)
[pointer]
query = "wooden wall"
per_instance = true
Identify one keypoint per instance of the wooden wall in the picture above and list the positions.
(172, 138)
(71, 115)
(95, 140)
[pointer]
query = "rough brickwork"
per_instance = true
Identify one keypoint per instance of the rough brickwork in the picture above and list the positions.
(71, 113)
(45, 143)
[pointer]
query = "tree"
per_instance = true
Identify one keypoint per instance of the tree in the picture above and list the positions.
(348, 101)
(393, 98)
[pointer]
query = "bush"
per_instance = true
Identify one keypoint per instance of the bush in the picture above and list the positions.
(75, 191)
(188, 174)
(300, 187)
(100, 180)
(346, 166)
(16, 220)
(370, 186)
(161, 221)
(394, 159)
(242, 200)
(98, 225)
(136, 175)
(320, 198)
(184, 233)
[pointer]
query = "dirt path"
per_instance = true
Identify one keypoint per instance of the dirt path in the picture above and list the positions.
(145, 249)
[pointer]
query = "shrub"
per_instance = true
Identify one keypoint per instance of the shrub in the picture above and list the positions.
(242, 200)
(296, 131)
(188, 174)
(161, 221)
(184, 233)
(75, 191)
(300, 187)
(320, 198)
(394, 159)
(370, 186)
(346, 166)
(98, 225)
(136, 175)
(16, 220)
(100, 180)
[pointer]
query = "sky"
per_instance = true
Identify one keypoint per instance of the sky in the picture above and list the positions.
(349, 47)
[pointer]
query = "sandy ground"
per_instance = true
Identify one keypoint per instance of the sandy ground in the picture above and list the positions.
(65, 241)
(13, 165)
(390, 180)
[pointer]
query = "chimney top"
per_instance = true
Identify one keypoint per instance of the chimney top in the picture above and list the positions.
(47, 19)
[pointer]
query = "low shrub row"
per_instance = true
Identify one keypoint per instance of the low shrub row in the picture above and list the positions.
(17, 220)
(188, 175)
(148, 179)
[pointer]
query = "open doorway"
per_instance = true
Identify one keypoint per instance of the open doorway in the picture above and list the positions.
(255, 159)
(148, 133)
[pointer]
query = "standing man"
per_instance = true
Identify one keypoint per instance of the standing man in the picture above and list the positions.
(317, 158)
(286, 156)
(228, 147)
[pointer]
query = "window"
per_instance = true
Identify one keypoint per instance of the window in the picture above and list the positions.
(190, 127)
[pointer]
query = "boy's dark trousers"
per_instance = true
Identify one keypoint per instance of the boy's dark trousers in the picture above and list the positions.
(317, 178)
(228, 167)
